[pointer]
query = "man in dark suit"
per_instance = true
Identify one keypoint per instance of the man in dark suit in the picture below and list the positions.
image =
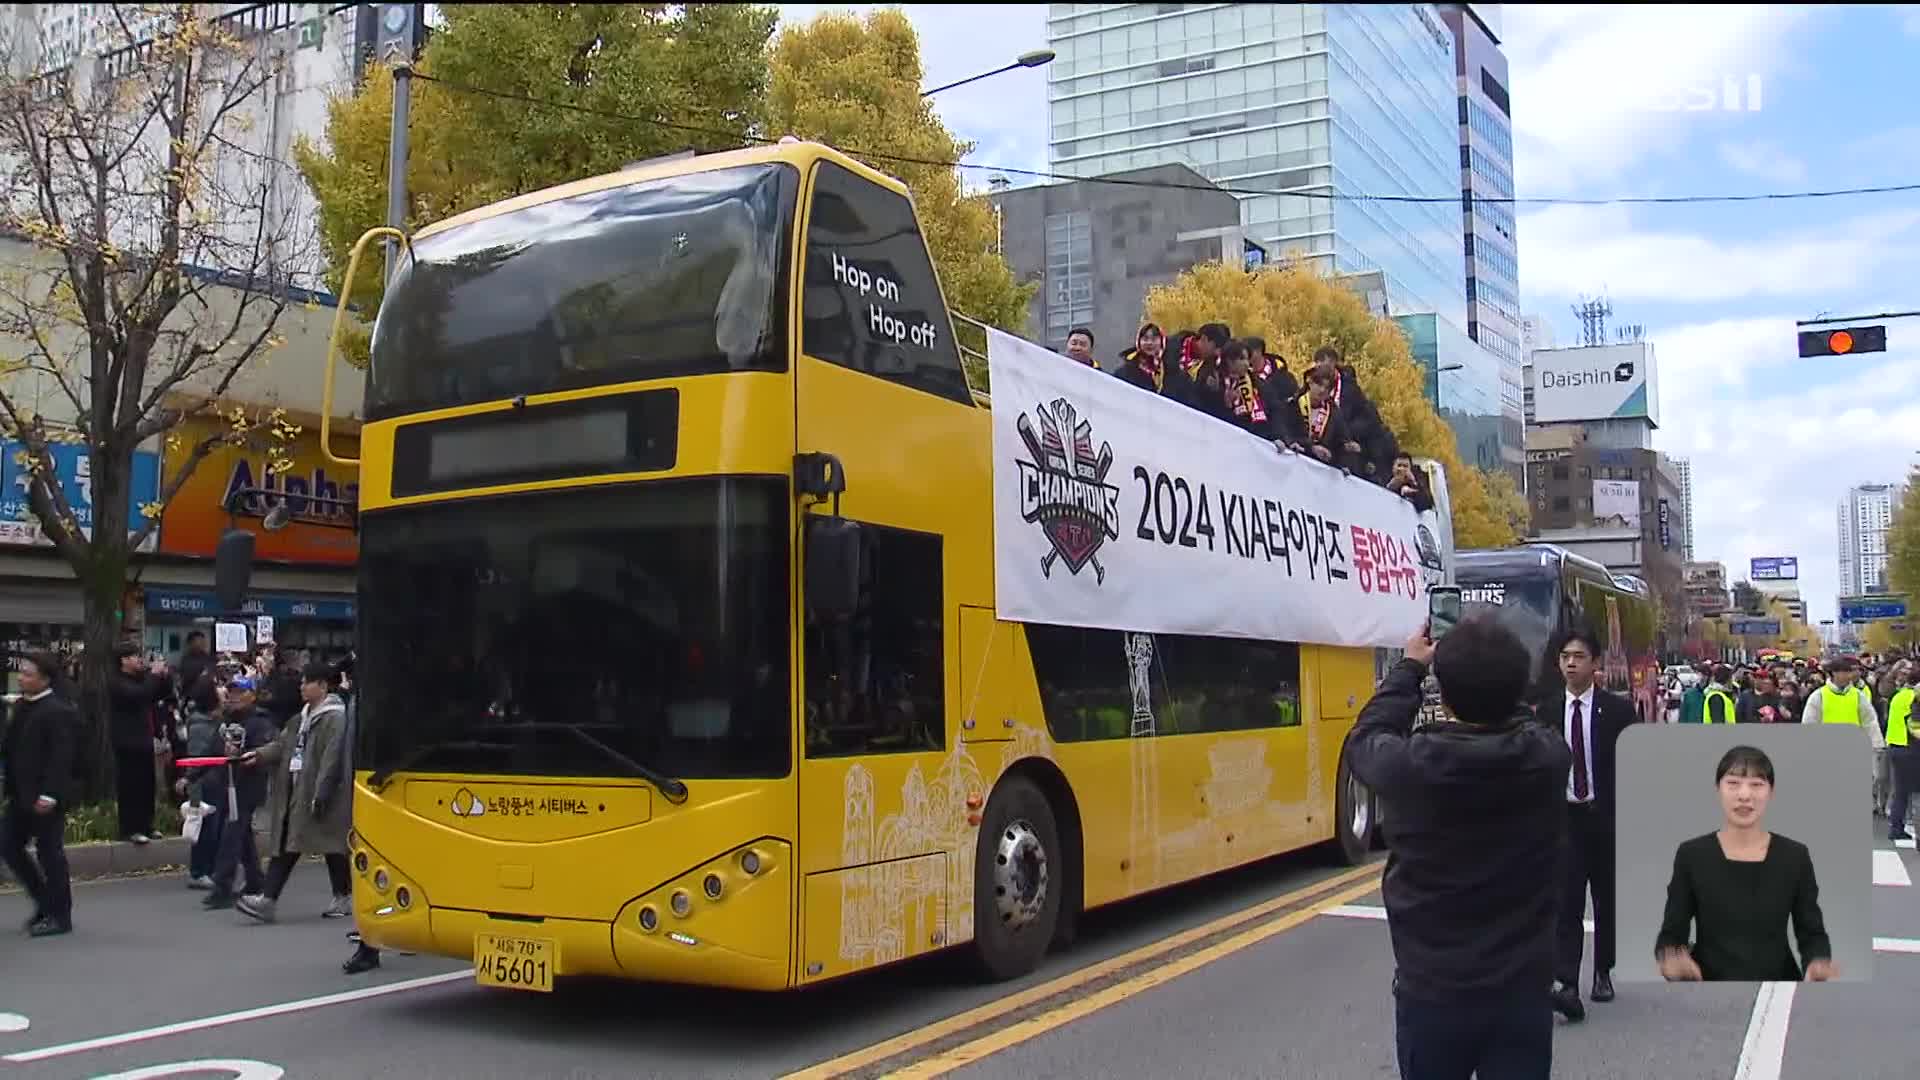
(1591, 720)
(38, 783)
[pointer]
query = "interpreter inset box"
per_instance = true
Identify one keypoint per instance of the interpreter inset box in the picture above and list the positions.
(1743, 851)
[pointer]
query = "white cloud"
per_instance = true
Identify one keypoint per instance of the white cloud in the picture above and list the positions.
(1598, 88)
(1764, 158)
(1773, 450)
(1568, 250)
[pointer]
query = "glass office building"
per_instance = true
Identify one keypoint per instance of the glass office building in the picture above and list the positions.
(1286, 104)
(1463, 384)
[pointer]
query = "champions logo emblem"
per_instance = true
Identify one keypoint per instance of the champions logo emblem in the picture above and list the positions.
(1064, 488)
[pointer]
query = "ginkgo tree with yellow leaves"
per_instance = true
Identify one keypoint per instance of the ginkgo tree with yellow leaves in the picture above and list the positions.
(146, 271)
(1297, 310)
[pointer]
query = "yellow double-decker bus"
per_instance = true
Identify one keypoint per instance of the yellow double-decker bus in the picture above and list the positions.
(678, 654)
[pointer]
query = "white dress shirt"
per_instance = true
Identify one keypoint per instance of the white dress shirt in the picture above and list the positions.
(1586, 737)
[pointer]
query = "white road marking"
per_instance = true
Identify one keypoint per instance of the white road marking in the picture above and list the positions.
(1375, 911)
(241, 1068)
(12, 1022)
(1766, 1042)
(1889, 870)
(245, 1015)
(1908, 844)
(1897, 945)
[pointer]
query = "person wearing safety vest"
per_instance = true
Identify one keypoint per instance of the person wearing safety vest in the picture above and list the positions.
(1841, 702)
(1718, 706)
(1903, 754)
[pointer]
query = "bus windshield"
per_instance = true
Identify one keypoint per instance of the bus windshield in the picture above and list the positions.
(683, 275)
(588, 633)
(1525, 603)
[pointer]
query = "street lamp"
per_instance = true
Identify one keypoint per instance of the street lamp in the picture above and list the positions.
(1036, 58)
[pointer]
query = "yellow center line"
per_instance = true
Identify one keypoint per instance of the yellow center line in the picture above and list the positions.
(960, 1022)
(967, 1053)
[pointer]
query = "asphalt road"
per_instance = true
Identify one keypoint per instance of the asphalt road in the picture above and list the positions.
(148, 981)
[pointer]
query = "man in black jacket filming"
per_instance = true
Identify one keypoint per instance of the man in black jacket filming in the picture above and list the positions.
(1474, 830)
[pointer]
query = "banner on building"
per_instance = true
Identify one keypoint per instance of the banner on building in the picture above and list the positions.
(320, 532)
(1603, 382)
(1117, 510)
(73, 467)
(1666, 525)
(1617, 502)
(1775, 568)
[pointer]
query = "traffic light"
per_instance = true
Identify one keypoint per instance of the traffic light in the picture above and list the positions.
(1843, 342)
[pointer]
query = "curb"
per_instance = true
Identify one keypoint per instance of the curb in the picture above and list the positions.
(121, 857)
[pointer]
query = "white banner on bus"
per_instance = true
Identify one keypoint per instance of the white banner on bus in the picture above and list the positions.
(1117, 509)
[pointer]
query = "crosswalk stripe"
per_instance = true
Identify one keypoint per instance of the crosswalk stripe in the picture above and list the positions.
(1889, 870)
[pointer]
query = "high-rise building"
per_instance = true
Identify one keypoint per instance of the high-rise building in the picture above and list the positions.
(1865, 513)
(1486, 195)
(1287, 105)
(1683, 471)
(1535, 333)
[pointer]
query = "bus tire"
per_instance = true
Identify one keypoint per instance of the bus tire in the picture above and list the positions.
(1018, 880)
(1355, 816)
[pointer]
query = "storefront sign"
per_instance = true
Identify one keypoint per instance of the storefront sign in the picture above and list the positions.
(319, 532)
(1114, 509)
(194, 603)
(74, 468)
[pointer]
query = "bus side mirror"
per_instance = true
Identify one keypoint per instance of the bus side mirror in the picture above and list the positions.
(232, 569)
(833, 568)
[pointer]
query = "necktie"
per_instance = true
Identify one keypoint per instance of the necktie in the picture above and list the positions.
(1581, 791)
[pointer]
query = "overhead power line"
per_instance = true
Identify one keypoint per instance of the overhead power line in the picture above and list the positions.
(735, 139)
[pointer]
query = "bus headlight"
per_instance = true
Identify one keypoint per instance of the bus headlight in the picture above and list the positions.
(750, 862)
(649, 919)
(682, 903)
(711, 886)
(404, 897)
(360, 861)
(380, 880)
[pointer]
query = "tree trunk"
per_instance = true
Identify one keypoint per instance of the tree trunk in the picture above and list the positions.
(102, 593)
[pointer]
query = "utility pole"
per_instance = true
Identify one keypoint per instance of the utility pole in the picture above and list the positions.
(397, 161)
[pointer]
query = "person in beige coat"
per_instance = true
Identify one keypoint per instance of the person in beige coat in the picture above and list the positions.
(310, 796)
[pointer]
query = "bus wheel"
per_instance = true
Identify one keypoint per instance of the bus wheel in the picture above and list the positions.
(1017, 881)
(1353, 816)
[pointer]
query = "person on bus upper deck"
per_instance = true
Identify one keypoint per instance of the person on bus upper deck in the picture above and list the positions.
(1080, 347)
(1193, 364)
(1241, 402)
(1271, 370)
(1410, 483)
(1144, 365)
(1326, 430)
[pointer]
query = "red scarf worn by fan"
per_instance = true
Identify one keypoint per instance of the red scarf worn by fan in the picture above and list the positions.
(1154, 366)
(1319, 415)
(1243, 397)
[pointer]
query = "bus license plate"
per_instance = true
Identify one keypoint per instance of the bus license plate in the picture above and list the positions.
(516, 963)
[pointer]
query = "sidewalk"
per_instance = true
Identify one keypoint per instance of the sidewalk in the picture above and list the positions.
(103, 859)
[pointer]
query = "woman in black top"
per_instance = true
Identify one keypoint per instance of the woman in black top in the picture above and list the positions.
(1735, 890)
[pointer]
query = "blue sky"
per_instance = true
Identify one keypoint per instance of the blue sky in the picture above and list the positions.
(1774, 439)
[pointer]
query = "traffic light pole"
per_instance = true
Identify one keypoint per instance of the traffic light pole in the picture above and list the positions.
(1859, 318)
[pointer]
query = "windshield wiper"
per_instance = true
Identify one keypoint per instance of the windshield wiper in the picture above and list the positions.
(381, 777)
(672, 790)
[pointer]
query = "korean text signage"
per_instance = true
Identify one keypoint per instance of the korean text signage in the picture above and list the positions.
(1776, 568)
(1602, 383)
(1114, 510)
(74, 468)
(1754, 627)
(264, 608)
(1666, 525)
(194, 519)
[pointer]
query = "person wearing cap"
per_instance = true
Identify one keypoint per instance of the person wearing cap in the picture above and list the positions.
(245, 727)
(1840, 701)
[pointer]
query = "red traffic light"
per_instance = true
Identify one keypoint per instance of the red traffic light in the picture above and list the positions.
(1845, 342)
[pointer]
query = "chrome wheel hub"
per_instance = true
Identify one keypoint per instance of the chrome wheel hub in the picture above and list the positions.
(1020, 875)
